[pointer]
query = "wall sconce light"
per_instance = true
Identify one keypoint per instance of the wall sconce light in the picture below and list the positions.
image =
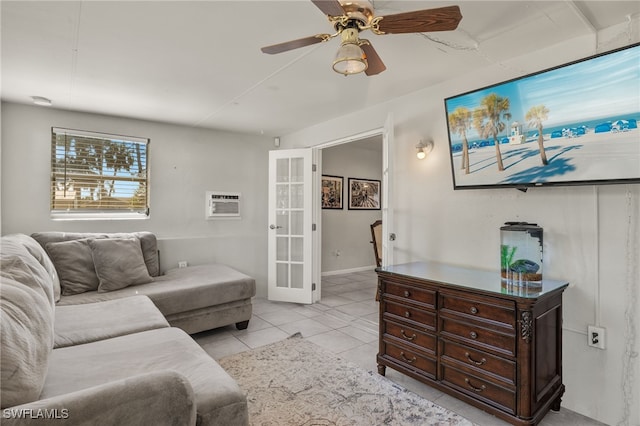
(424, 147)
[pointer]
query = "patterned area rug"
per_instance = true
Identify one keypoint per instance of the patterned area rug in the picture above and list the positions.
(296, 382)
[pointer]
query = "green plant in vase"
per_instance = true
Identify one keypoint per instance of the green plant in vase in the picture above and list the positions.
(506, 257)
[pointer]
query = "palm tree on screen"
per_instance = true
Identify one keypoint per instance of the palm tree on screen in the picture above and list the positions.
(535, 116)
(459, 122)
(487, 120)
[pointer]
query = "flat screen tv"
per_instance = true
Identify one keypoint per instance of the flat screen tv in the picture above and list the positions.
(575, 124)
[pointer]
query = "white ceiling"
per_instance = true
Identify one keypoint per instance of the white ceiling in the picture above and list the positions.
(199, 63)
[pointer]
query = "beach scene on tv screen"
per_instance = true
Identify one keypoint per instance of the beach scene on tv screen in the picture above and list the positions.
(571, 124)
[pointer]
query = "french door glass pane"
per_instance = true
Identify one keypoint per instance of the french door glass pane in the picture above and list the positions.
(282, 170)
(282, 275)
(296, 275)
(282, 249)
(282, 220)
(297, 253)
(282, 196)
(297, 196)
(297, 221)
(297, 170)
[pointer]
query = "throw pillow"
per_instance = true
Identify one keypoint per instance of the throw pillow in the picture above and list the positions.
(119, 263)
(74, 264)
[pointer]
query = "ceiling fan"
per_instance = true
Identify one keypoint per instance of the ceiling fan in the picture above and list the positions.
(349, 18)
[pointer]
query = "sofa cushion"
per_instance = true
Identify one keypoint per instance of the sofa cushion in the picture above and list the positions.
(163, 398)
(118, 263)
(18, 246)
(148, 243)
(79, 324)
(26, 330)
(183, 289)
(74, 263)
(219, 400)
(21, 244)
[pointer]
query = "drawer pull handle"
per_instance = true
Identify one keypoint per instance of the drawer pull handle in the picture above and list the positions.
(406, 293)
(407, 314)
(482, 361)
(473, 335)
(474, 310)
(480, 389)
(407, 360)
(413, 336)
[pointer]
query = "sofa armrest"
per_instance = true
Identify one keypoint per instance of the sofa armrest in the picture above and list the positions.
(159, 398)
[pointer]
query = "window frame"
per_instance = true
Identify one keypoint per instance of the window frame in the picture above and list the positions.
(59, 173)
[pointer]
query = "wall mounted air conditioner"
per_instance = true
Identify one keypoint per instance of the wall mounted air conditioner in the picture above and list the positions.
(221, 204)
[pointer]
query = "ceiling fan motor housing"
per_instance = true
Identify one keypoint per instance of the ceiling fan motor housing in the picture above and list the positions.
(361, 10)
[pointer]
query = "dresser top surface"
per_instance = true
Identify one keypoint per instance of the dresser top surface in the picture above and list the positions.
(476, 279)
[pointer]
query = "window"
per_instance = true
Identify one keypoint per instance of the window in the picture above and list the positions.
(96, 175)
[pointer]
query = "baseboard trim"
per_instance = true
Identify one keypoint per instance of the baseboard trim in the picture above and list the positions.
(348, 271)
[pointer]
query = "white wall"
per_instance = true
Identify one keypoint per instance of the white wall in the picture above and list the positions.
(184, 163)
(348, 231)
(591, 233)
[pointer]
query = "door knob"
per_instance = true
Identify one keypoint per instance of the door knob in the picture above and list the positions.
(272, 226)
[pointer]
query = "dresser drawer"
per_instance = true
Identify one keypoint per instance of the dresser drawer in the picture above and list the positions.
(503, 343)
(412, 359)
(409, 293)
(499, 368)
(419, 317)
(411, 336)
(477, 387)
(492, 310)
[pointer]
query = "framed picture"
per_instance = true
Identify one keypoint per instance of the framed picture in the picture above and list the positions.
(332, 192)
(364, 194)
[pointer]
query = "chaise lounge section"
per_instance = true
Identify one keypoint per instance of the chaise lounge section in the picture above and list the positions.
(195, 298)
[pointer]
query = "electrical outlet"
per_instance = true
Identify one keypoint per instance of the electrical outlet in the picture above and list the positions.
(595, 337)
(182, 264)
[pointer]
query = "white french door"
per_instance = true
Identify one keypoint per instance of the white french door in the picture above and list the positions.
(388, 233)
(290, 226)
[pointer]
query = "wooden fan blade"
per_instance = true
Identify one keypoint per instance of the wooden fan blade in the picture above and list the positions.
(329, 7)
(376, 66)
(294, 44)
(422, 21)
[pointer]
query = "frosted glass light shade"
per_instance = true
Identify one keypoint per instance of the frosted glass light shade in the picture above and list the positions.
(350, 59)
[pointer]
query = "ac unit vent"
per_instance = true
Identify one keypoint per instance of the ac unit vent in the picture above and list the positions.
(222, 204)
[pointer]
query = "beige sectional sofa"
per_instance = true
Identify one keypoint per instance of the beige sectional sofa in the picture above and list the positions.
(113, 357)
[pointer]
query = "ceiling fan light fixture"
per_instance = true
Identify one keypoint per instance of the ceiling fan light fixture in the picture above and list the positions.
(350, 59)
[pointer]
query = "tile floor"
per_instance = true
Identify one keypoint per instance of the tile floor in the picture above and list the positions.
(346, 323)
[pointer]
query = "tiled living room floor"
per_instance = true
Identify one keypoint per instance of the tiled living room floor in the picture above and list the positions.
(346, 323)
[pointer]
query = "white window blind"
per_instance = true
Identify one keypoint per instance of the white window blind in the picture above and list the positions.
(96, 175)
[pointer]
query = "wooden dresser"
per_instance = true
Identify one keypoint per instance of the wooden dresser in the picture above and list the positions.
(466, 333)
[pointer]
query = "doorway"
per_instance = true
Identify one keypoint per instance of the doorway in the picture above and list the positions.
(346, 232)
(281, 183)
(386, 136)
